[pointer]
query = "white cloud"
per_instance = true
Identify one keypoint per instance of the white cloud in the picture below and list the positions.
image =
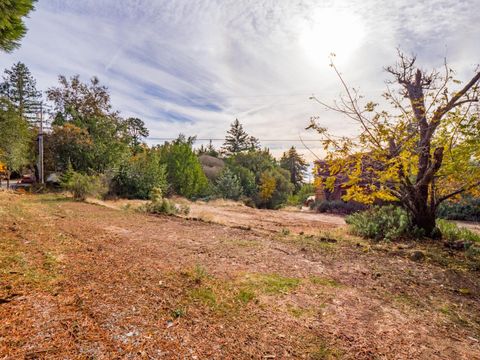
(255, 60)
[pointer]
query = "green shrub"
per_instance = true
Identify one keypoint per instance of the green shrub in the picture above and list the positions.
(138, 176)
(468, 209)
(383, 223)
(228, 185)
(450, 231)
(337, 207)
(184, 171)
(81, 186)
(160, 205)
(247, 180)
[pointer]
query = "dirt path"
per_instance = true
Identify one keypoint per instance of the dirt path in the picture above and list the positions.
(81, 281)
(234, 214)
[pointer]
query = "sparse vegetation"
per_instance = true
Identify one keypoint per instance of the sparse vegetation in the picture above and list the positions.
(161, 205)
(270, 284)
(322, 281)
(167, 287)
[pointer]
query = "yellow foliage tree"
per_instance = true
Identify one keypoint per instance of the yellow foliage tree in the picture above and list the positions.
(267, 187)
(421, 151)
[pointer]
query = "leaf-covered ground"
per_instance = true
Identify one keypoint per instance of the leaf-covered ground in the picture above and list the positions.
(83, 281)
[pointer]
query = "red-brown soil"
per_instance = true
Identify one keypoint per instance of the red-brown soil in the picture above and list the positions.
(83, 281)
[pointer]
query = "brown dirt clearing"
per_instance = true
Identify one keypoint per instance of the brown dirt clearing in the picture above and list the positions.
(83, 281)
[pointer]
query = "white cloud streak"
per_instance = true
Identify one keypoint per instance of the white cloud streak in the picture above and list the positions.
(210, 61)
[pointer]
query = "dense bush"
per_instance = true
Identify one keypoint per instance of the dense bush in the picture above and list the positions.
(228, 185)
(468, 209)
(261, 177)
(184, 172)
(337, 207)
(138, 176)
(275, 188)
(81, 186)
(247, 180)
(383, 223)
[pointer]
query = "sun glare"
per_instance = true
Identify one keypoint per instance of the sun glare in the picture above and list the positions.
(330, 31)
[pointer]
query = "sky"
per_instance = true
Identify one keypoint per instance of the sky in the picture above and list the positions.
(193, 66)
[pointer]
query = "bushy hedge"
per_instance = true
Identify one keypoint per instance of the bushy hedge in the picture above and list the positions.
(468, 209)
(138, 176)
(383, 223)
(337, 207)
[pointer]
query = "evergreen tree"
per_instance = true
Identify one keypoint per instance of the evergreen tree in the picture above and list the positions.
(228, 185)
(296, 164)
(208, 150)
(253, 143)
(237, 140)
(12, 28)
(19, 87)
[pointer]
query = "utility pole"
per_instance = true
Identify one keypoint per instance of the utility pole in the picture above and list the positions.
(41, 173)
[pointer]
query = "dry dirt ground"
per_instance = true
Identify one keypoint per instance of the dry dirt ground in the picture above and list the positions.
(84, 281)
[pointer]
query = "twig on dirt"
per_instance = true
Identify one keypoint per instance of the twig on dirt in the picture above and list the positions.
(284, 251)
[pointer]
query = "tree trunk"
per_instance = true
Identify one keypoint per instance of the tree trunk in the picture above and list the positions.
(422, 211)
(425, 220)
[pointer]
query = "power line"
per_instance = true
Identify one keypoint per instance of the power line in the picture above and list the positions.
(213, 139)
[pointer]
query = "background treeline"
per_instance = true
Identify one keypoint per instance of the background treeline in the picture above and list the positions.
(92, 149)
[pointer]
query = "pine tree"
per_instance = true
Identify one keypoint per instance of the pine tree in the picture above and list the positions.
(237, 140)
(228, 185)
(296, 164)
(253, 143)
(208, 150)
(12, 28)
(19, 86)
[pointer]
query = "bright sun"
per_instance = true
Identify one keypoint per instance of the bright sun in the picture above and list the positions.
(331, 31)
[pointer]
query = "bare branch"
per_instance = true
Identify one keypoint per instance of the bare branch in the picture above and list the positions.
(454, 101)
(457, 192)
